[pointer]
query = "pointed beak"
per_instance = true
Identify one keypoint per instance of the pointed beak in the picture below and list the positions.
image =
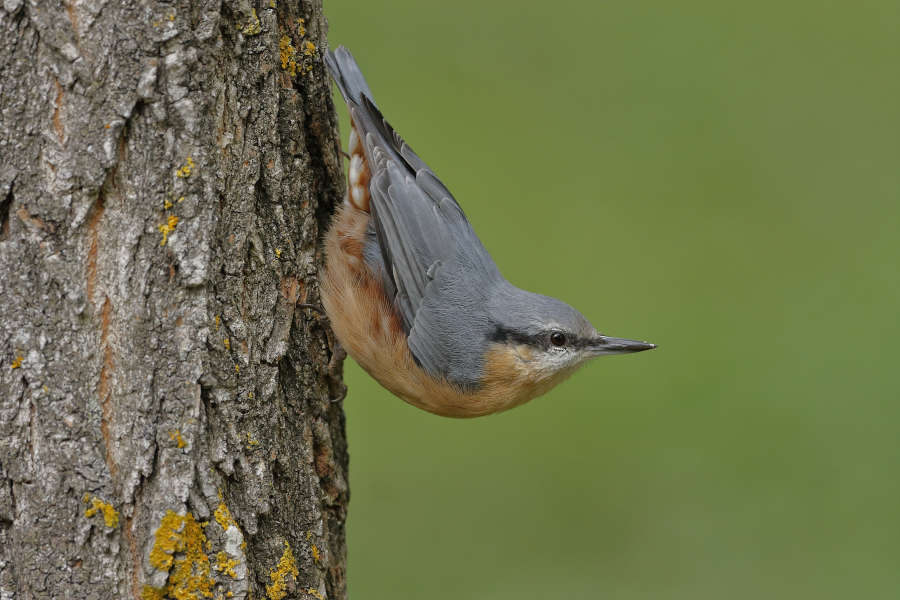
(604, 345)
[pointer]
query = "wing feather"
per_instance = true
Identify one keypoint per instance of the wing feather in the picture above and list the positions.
(437, 270)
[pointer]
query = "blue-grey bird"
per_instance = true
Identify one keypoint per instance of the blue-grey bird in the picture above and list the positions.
(417, 301)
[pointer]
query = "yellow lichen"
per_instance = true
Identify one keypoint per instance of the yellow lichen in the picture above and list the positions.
(167, 205)
(168, 541)
(286, 567)
(226, 565)
(178, 550)
(152, 593)
(300, 22)
(217, 323)
(278, 252)
(110, 516)
(167, 228)
(180, 199)
(223, 517)
(286, 51)
(310, 49)
(227, 343)
(313, 592)
(252, 27)
(187, 169)
(176, 437)
(171, 17)
(315, 553)
(237, 368)
(17, 362)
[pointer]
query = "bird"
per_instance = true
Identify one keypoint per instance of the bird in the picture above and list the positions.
(413, 296)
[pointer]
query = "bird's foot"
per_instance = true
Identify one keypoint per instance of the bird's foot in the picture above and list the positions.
(336, 387)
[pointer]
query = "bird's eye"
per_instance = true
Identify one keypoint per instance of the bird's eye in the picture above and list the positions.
(557, 339)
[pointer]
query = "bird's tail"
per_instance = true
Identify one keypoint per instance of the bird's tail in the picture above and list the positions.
(348, 76)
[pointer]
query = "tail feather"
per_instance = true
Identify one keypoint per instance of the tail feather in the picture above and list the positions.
(348, 76)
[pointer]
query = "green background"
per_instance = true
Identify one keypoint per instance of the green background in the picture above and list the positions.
(719, 178)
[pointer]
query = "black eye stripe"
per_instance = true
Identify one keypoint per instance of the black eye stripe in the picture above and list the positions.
(504, 335)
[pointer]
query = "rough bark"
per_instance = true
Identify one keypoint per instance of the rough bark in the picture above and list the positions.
(167, 168)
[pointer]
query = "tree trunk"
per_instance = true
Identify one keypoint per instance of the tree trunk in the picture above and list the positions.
(166, 424)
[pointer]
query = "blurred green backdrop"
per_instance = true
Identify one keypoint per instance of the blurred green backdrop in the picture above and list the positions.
(720, 178)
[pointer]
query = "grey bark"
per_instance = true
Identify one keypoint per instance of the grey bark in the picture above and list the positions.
(144, 377)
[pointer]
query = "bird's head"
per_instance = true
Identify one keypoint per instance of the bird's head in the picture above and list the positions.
(552, 338)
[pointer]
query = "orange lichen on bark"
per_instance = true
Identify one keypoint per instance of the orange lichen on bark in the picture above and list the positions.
(167, 228)
(223, 517)
(226, 565)
(187, 169)
(286, 52)
(176, 437)
(286, 567)
(253, 27)
(152, 593)
(178, 550)
(17, 362)
(110, 515)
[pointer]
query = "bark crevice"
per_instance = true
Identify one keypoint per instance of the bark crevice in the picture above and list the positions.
(5, 209)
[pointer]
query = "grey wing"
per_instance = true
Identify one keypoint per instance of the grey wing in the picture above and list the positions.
(436, 271)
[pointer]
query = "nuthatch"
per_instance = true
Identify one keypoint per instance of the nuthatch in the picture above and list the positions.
(417, 301)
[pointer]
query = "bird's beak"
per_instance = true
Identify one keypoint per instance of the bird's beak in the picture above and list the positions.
(604, 345)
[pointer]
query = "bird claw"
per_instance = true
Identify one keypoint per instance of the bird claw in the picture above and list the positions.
(315, 308)
(336, 385)
(336, 367)
(341, 393)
